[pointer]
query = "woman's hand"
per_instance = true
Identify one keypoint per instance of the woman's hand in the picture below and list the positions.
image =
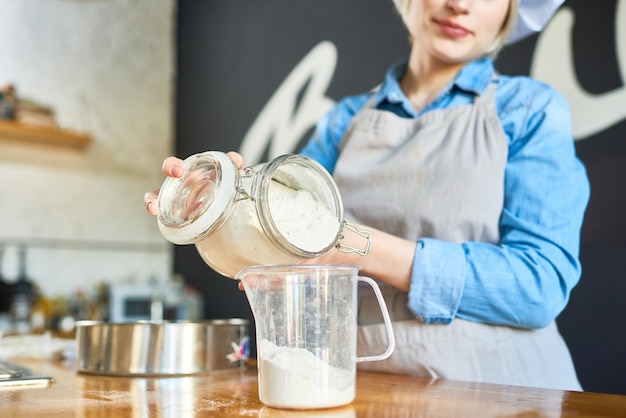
(390, 258)
(173, 167)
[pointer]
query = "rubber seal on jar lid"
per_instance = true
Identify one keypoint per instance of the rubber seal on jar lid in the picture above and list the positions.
(199, 202)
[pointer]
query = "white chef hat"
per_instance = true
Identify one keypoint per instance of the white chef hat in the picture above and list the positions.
(532, 16)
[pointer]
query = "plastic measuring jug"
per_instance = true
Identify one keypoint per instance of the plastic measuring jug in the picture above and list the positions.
(306, 330)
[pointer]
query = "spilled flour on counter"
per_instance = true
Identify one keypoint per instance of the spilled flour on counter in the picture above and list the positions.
(296, 378)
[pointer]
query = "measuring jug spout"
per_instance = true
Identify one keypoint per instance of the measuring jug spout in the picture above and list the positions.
(259, 289)
(306, 329)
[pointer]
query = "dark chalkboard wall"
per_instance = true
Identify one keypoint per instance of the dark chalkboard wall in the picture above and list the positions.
(233, 55)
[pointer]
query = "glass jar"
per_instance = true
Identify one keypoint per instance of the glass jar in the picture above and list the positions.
(281, 212)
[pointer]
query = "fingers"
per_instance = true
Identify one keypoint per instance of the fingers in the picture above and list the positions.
(150, 200)
(173, 167)
(237, 158)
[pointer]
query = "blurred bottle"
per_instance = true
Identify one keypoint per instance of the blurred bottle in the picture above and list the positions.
(62, 319)
(22, 295)
(41, 312)
(175, 307)
(101, 302)
(157, 307)
(8, 102)
(5, 299)
(195, 304)
(182, 302)
(80, 305)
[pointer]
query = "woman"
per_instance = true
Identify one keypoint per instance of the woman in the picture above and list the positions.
(469, 183)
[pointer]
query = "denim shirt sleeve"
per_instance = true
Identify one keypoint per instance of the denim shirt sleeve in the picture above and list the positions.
(526, 280)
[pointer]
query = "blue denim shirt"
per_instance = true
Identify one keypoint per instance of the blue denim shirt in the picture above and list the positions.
(526, 279)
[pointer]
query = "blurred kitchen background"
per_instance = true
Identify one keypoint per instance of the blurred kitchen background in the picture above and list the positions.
(72, 211)
(129, 82)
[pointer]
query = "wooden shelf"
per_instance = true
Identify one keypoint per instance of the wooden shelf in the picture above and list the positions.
(16, 131)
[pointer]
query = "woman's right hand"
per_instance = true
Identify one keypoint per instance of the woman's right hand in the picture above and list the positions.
(173, 167)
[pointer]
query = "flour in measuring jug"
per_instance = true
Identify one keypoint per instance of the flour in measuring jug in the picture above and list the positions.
(296, 378)
(303, 220)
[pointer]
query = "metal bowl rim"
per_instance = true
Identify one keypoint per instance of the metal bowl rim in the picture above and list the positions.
(167, 323)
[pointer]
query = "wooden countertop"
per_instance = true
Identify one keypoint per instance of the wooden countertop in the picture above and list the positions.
(235, 394)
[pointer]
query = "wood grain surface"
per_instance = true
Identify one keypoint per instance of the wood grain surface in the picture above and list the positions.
(235, 394)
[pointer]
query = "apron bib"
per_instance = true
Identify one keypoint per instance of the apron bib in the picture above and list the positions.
(440, 176)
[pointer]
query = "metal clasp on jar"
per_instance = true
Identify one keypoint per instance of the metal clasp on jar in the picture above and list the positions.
(243, 193)
(348, 249)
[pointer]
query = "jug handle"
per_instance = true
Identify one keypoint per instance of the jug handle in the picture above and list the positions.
(383, 308)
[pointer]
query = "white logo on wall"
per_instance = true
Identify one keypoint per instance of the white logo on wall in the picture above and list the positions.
(280, 125)
(280, 121)
(553, 63)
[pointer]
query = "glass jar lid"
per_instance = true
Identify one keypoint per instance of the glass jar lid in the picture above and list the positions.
(201, 200)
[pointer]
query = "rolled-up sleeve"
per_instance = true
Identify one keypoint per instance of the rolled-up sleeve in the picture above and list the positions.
(438, 279)
(525, 280)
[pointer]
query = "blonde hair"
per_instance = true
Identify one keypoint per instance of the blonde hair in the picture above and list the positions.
(498, 43)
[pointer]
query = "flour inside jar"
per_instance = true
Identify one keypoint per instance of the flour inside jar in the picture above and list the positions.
(302, 219)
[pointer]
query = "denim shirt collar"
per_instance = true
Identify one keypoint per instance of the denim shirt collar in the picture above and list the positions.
(473, 78)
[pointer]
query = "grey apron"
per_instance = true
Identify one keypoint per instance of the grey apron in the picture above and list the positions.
(440, 176)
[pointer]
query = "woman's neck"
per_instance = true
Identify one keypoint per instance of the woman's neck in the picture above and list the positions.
(425, 78)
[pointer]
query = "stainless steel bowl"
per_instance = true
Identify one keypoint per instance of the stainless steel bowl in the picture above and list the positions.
(161, 347)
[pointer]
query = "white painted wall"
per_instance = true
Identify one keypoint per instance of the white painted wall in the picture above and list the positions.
(107, 67)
